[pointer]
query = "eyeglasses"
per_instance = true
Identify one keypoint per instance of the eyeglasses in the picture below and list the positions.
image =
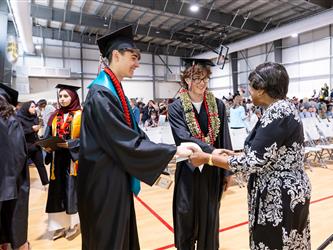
(198, 80)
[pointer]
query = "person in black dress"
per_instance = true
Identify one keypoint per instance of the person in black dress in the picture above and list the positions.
(279, 190)
(30, 124)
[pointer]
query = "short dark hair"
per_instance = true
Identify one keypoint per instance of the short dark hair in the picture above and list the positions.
(122, 52)
(271, 77)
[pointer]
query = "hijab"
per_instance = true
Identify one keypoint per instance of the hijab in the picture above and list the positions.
(26, 118)
(73, 106)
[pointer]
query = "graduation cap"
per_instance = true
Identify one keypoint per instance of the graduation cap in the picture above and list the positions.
(64, 86)
(120, 39)
(189, 62)
(9, 94)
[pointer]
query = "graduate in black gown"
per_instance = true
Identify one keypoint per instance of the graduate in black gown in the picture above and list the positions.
(198, 117)
(8, 189)
(30, 124)
(61, 206)
(14, 212)
(114, 152)
(279, 189)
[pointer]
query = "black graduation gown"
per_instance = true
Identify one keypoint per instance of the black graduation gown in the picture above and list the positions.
(8, 189)
(14, 213)
(197, 196)
(110, 153)
(62, 195)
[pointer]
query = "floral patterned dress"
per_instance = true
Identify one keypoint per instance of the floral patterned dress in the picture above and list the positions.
(279, 190)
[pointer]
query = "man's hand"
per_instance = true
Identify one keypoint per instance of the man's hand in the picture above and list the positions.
(183, 151)
(186, 149)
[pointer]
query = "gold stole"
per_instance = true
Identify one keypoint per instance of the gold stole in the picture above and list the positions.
(75, 133)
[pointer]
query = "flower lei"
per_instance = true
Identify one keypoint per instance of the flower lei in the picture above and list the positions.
(63, 128)
(192, 122)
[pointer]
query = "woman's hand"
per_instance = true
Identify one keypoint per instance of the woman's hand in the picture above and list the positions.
(199, 158)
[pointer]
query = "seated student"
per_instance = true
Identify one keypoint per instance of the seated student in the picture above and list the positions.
(304, 113)
(152, 122)
(313, 112)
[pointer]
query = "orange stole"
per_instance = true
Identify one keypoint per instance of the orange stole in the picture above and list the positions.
(75, 133)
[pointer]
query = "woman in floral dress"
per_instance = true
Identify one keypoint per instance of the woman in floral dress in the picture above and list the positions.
(279, 190)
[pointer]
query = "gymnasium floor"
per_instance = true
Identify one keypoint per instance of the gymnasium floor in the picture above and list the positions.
(154, 216)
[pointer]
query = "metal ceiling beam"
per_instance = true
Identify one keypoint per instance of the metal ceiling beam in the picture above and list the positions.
(183, 25)
(183, 9)
(67, 35)
(54, 14)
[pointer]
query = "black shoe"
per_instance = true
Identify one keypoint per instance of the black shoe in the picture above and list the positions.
(165, 173)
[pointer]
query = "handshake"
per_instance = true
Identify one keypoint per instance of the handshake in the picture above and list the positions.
(194, 154)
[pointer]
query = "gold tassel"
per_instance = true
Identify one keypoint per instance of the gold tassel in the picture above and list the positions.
(52, 170)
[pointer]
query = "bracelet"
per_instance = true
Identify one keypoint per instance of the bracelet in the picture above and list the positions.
(210, 160)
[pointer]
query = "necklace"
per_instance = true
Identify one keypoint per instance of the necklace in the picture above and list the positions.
(210, 105)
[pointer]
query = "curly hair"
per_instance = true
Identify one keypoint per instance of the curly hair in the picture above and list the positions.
(191, 72)
(6, 110)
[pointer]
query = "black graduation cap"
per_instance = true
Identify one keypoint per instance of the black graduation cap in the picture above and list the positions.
(64, 86)
(9, 94)
(118, 40)
(188, 62)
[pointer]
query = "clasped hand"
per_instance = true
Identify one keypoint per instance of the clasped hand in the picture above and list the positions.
(199, 158)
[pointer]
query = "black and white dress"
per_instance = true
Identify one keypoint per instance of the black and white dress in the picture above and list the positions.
(279, 190)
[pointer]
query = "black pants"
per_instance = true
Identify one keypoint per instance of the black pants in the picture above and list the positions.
(36, 155)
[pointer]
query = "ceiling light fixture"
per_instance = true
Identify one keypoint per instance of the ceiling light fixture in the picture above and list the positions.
(194, 7)
(294, 35)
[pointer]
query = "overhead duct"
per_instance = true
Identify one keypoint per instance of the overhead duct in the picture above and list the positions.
(307, 24)
(21, 16)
